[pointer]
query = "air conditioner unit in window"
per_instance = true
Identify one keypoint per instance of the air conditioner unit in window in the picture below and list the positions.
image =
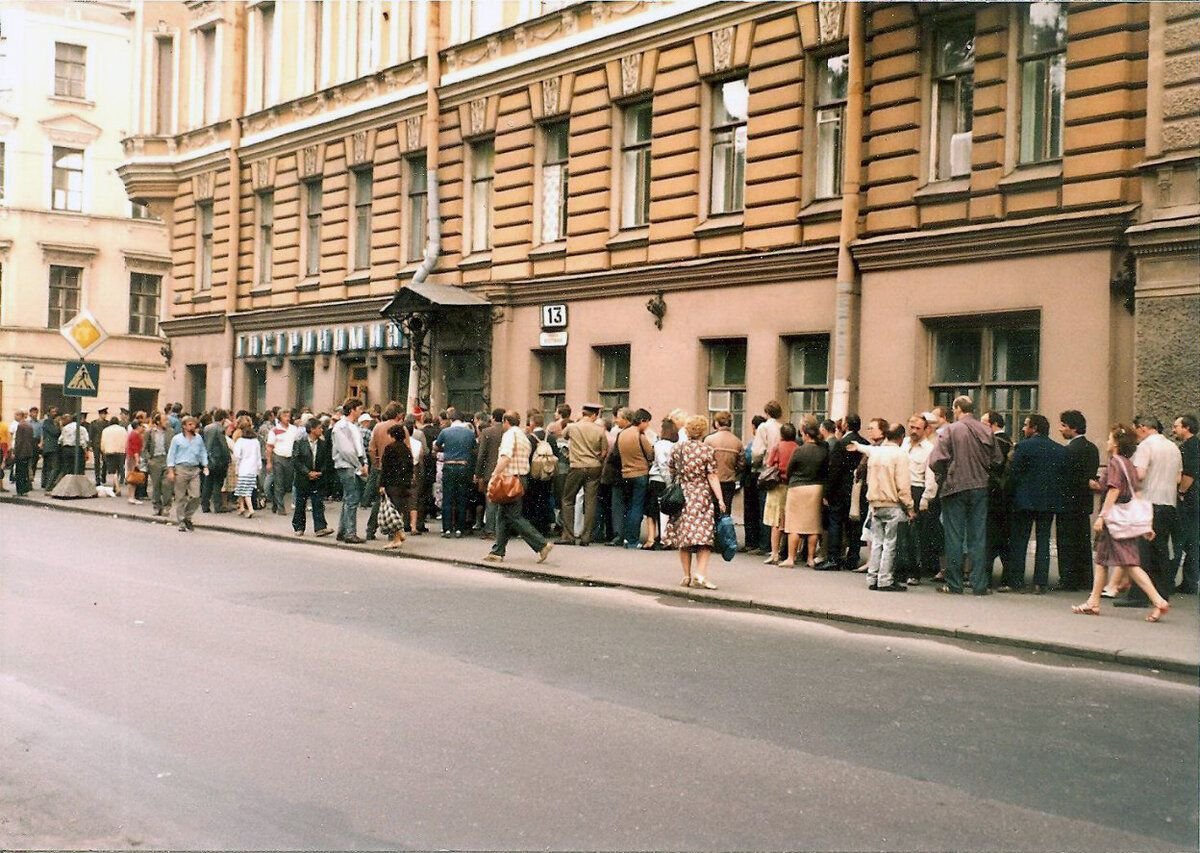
(718, 401)
(960, 154)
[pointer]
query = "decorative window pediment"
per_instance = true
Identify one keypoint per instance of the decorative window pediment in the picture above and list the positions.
(70, 130)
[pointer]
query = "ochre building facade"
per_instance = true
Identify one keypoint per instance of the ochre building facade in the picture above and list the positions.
(865, 206)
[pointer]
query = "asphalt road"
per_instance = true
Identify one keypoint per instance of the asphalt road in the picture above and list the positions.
(159, 689)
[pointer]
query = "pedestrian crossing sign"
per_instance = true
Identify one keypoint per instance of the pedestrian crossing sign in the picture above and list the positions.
(82, 379)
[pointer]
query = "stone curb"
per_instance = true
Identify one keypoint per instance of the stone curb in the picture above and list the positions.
(721, 600)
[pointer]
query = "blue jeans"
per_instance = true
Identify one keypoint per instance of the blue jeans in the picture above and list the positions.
(300, 502)
(351, 493)
(964, 517)
(633, 490)
(1023, 521)
(455, 479)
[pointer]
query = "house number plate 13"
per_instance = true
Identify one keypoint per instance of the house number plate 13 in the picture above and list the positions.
(554, 316)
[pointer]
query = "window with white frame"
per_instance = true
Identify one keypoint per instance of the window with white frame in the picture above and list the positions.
(727, 379)
(209, 70)
(70, 70)
(636, 121)
(730, 111)
(418, 205)
(145, 290)
(555, 174)
(364, 187)
(996, 363)
(67, 179)
(614, 376)
(808, 378)
(483, 163)
(204, 245)
(266, 236)
(266, 57)
(552, 380)
(953, 98)
(65, 289)
(164, 85)
(1043, 67)
(833, 73)
(313, 199)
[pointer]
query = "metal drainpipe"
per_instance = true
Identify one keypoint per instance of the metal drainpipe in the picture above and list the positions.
(846, 323)
(433, 242)
(237, 33)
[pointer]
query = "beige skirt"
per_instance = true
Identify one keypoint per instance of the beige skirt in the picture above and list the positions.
(803, 512)
(773, 509)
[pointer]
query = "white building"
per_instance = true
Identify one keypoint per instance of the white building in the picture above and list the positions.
(69, 236)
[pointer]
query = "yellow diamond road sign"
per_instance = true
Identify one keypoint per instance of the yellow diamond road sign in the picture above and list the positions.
(84, 332)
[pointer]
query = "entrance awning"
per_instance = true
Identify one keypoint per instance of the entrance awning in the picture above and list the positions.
(426, 297)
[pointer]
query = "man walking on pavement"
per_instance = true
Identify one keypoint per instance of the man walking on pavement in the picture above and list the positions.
(1035, 480)
(50, 461)
(311, 458)
(350, 463)
(1159, 466)
(587, 446)
(1081, 460)
(95, 428)
(513, 459)
(281, 440)
(187, 459)
(217, 450)
(966, 451)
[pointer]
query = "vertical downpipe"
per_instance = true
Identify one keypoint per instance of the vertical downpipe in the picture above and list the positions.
(849, 290)
(433, 241)
(237, 105)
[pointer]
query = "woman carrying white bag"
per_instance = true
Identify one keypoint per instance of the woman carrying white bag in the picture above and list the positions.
(1125, 517)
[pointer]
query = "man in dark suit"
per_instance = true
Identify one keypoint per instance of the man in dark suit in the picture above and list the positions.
(94, 429)
(1035, 480)
(485, 463)
(218, 463)
(1079, 485)
(312, 459)
(842, 550)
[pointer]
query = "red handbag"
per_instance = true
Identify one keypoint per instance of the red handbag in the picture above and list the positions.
(505, 489)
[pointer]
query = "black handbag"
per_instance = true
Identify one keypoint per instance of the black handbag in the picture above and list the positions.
(672, 500)
(769, 477)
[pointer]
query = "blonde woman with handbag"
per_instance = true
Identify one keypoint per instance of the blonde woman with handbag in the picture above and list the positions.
(1120, 525)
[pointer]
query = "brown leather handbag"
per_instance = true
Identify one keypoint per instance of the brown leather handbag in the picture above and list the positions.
(505, 489)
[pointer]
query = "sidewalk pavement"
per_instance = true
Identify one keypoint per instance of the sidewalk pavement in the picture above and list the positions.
(1043, 623)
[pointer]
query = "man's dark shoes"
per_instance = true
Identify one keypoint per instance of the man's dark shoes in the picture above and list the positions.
(354, 540)
(827, 566)
(1184, 589)
(893, 587)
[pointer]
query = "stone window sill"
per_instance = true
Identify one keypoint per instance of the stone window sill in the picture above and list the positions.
(73, 101)
(938, 191)
(310, 283)
(202, 297)
(549, 250)
(260, 288)
(358, 277)
(630, 238)
(821, 210)
(721, 223)
(1035, 176)
(475, 261)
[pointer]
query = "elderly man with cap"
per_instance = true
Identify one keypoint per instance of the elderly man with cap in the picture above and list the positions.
(587, 446)
(94, 429)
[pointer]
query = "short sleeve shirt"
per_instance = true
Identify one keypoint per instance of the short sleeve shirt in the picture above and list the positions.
(1158, 456)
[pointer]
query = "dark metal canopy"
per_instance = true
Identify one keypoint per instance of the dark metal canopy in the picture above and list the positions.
(414, 298)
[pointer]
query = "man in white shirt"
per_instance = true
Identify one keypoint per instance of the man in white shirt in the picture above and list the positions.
(350, 463)
(112, 445)
(281, 439)
(919, 546)
(1159, 464)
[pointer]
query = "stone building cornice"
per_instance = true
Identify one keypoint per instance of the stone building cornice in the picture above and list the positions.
(319, 313)
(195, 324)
(1066, 232)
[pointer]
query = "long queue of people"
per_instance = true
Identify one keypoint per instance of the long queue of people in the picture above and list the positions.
(930, 497)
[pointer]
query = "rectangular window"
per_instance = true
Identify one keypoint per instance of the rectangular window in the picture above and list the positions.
(164, 85)
(364, 188)
(302, 384)
(204, 248)
(209, 93)
(65, 288)
(483, 157)
(614, 376)
(313, 197)
(266, 237)
(67, 186)
(552, 381)
(833, 74)
(266, 39)
(953, 99)
(70, 67)
(145, 291)
(727, 379)
(808, 378)
(555, 137)
(418, 211)
(730, 110)
(635, 164)
(197, 388)
(995, 364)
(256, 386)
(316, 8)
(464, 379)
(1043, 65)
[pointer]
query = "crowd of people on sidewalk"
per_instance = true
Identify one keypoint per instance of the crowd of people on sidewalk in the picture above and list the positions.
(945, 491)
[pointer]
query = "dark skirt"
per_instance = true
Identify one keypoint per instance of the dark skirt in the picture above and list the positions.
(1116, 552)
(653, 494)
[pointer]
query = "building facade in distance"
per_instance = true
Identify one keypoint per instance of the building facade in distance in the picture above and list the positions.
(861, 206)
(69, 236)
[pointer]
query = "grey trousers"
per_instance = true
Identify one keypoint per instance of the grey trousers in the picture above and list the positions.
(885, 524)
(281, 481)
(187, 491)
(162, 490)
(587, 479)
